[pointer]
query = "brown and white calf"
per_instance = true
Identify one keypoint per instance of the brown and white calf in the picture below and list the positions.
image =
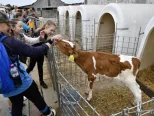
(95, 64)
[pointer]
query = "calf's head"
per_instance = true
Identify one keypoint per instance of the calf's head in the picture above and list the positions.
(66, 47)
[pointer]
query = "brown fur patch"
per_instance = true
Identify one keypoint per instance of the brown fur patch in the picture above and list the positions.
(108, 64)
(136, 63)
(125, 65)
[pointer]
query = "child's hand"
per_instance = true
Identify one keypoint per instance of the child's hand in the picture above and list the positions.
(57, 38)
(48, 45)
(42, 35)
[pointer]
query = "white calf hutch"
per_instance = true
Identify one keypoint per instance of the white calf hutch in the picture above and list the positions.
(87, 22)
(62, 18)
(123, 20)
(146, 48)
(71, 10)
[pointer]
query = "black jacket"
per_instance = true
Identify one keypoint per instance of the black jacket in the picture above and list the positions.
(15, 47)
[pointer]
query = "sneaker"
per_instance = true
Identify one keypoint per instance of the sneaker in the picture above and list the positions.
(53, 112)
(44, 85)
(25, 98)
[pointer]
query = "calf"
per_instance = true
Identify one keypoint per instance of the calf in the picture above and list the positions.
(95, 64)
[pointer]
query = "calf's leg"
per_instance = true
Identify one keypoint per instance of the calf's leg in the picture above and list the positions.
(135, 89)
(91, 82)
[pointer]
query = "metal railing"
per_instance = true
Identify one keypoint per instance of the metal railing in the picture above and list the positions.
(144, 112)
(71, 102)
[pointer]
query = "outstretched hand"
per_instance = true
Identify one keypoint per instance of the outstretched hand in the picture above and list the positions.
(42, 35)
(57, 38)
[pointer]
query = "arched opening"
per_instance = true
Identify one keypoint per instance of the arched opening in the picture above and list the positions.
(147, 58)
(78, 28)
(106, 33)
(67, 23)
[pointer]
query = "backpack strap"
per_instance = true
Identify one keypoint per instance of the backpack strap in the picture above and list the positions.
(3, 37)
(18, 64)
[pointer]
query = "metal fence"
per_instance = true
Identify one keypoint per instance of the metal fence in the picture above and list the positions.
(144, 112)
(66, 82)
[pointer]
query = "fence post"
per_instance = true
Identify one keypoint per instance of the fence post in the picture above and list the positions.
(139, 108)
(114, 39)
(56, 77)
(139, 34)
(152, 105)
(94, 27)
(125, 112)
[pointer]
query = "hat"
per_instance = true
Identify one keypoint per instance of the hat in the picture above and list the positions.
(5, 19)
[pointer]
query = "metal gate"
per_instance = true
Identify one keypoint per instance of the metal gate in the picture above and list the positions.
(65, 80)
(144, 112)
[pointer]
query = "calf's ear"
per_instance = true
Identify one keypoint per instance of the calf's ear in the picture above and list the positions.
(77, 46)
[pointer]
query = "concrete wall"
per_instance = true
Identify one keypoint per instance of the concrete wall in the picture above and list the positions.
(48, 9)
(150, 1)
(44, 3)
(119, 1)
(49, 13)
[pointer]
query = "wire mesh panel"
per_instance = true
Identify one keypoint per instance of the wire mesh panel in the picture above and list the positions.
(67, 24)
(76, 77)
(72, 102)
(126, 45)
(105, 43)
(117, 44)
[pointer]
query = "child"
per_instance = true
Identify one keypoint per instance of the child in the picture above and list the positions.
(48, 29)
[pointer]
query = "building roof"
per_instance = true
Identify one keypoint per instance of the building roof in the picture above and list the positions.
(48, 3)
(26, 6)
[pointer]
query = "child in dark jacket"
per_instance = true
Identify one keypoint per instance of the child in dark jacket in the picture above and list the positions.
(48, 29)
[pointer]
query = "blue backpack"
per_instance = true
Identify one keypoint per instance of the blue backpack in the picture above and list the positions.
(6, 83)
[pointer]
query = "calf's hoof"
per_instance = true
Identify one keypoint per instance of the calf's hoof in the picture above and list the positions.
(88, 99)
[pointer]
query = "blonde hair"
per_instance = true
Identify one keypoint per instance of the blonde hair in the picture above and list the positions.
(48, 23)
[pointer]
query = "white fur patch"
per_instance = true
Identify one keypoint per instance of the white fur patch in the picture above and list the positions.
(71, 44)
(90, 95)
(121, 77)
(125, 75)
(124, 58)
(94, 62)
